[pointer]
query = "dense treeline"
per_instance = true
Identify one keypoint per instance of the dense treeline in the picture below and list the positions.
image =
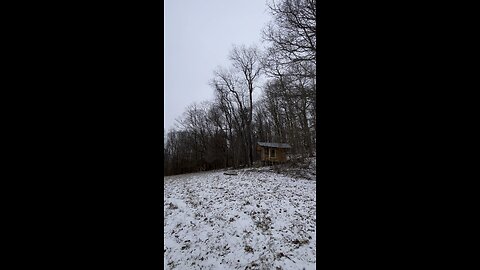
(223, 132)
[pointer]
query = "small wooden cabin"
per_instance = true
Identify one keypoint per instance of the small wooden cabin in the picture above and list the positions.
(273, 152)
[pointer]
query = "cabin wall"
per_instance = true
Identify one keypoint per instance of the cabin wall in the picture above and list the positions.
(280, 155)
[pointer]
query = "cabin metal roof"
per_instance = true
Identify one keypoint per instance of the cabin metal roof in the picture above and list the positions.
(274, 145)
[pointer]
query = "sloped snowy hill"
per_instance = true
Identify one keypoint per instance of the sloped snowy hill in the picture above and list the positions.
(257, 219)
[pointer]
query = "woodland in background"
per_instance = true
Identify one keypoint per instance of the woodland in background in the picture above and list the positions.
(223, 132)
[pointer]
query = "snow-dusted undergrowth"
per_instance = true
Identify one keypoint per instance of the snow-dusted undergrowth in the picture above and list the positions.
(257, 219)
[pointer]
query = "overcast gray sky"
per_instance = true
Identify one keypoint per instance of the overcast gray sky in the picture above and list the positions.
(197, 38)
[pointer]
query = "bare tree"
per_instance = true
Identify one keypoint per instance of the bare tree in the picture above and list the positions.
(293, 30)
(234, 97)
(290, 63)
(246, 60)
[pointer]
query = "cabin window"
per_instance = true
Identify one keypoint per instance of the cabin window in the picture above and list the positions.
(272, 153)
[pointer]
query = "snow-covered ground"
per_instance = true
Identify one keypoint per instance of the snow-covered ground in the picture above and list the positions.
(257, 219)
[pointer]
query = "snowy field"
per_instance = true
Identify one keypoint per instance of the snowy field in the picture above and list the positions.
(257, 219)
